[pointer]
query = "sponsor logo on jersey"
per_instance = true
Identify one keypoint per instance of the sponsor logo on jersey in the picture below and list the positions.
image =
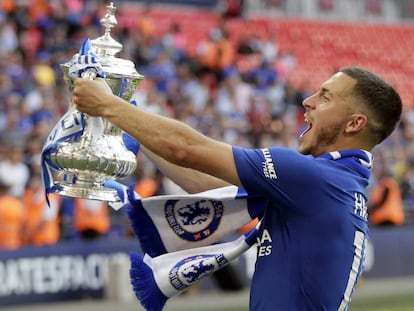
(268, 166)
(194, 221)
(264, 242)
(360, 208)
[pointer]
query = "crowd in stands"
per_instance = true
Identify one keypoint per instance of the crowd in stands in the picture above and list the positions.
(207, 90)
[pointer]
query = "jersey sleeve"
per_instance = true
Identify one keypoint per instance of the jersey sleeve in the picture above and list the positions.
(278, 173)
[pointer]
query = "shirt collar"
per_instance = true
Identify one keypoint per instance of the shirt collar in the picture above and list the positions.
(358, 159)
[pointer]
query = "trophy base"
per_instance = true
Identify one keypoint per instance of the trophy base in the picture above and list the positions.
(90, 192)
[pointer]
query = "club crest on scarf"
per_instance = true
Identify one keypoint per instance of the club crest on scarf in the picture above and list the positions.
(194, 221)
(191, 269)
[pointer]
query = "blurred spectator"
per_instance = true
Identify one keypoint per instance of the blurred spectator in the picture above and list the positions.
(385, 202)
(269, 48)
(148, 51)
(259, 116)
(207, 53)
(13, 171)
(263, 75)
(174, 41)
(217, 52)
(232, 104)
(8, 37)
(91, 218)
(18, 72)
(226, 51)
(39, 11)
(16, 117)
(147, 180)
(407, 186)
(12, 216)
(30, 41)
(286, 63)
(189, 86)
(162, 71)
(233, 94)
(275, 94)
(146, 24)
(43, 73)
(42, 225)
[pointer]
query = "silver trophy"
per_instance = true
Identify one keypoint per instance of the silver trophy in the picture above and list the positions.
(99, 154)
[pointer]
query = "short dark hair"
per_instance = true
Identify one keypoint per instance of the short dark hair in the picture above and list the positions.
(382, 100)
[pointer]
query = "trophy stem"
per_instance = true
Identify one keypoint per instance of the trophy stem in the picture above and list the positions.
(84, 180)
(86, 190)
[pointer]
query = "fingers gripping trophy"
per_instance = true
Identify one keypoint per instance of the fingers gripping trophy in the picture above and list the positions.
(84, 151)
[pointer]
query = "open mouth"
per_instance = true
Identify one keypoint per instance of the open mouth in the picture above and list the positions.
(309, 127)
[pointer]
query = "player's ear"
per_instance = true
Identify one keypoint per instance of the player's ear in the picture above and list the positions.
(356, 123)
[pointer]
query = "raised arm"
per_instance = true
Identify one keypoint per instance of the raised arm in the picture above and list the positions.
(168, 138)
(190, 180)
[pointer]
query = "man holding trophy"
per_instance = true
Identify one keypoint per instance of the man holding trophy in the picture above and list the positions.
(312, 202)
(311, 241)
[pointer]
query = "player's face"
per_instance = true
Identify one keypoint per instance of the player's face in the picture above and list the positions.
(327, 113)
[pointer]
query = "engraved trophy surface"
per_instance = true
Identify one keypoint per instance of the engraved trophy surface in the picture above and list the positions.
(99, 153)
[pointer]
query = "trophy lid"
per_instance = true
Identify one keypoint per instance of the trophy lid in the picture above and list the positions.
(105, 47)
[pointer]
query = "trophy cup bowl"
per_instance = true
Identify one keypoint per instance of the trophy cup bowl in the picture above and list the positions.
(99, 153)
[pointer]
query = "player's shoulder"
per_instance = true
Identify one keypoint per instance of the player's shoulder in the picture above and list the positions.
(293, 158)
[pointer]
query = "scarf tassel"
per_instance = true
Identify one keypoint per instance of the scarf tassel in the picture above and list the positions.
(144, 285)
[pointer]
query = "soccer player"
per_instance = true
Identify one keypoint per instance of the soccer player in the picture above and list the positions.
(313, 234)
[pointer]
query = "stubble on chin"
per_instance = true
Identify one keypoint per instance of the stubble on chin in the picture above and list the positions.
(303, 149)
(326, 138)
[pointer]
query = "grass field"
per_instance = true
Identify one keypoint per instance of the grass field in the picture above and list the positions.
(384, 303)
(376, 295)
(385, 295)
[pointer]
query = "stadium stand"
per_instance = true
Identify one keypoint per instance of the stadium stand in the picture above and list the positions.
(320, 47)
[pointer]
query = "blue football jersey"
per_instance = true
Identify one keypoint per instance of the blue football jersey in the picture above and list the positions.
(312, 238)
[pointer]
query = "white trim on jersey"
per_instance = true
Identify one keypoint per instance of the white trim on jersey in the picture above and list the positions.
(358, 258)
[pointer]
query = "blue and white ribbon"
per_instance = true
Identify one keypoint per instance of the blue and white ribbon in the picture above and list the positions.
(155, 280)
(69, 128)
(170, 223)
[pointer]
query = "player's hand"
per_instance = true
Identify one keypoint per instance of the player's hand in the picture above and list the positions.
(92, 97)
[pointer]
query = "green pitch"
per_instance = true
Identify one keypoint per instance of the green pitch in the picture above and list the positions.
(383, 303)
